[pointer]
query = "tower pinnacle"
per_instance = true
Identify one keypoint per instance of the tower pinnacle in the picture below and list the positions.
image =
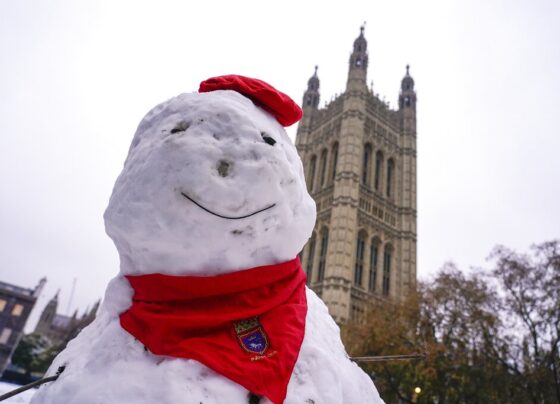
(407, 97)
(357, 69)
(311, 96)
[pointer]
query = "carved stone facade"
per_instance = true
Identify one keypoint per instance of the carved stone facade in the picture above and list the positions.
(58, 328)
(359, 158)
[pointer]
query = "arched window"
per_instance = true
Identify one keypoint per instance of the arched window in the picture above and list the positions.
(366, 165)
(387, 269)
(390, 175)
(323, 254)
(323, 167)
(334, 160)
(310, 256)
(312, 166)
(373, 254)
(359, 267)
(378, 168)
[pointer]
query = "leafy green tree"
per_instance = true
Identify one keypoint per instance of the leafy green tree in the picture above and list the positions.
(34, 353)
(29, 347)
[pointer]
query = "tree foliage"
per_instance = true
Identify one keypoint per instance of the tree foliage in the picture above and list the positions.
(489, 337)
(34, 353)
(530, 296)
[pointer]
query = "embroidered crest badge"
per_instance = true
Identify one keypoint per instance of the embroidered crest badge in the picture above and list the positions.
(251, 335)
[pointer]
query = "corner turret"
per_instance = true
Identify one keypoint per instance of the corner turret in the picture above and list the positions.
(311, 96)
(39, 288)
(47, 316)
(407, 97)
(357, 69)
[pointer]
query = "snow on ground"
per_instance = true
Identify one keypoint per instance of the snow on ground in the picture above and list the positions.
(22, 398)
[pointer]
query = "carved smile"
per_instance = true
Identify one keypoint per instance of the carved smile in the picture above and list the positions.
(224, 216)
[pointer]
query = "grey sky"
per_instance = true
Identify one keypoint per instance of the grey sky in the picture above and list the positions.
(77, 77)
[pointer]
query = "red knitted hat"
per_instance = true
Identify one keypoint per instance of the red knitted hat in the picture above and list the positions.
(284, 109)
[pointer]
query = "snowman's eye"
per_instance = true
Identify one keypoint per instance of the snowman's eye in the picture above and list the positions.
(180, 127)
(268, 140)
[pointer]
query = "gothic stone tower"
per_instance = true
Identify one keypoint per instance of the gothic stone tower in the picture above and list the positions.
(360, 164)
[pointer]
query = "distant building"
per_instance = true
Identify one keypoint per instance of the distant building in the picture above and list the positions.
(359, 157)
(58, 328)
(16, 304)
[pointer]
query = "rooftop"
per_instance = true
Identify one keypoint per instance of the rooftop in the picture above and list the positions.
(16, 289)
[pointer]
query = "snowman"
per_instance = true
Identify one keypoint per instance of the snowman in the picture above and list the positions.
(210, 304)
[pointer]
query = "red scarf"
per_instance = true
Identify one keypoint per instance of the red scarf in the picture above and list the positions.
(246, 325)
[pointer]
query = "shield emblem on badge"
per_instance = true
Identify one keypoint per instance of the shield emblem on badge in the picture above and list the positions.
(251, 336)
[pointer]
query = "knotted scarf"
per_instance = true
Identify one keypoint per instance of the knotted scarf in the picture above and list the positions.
(246, 325)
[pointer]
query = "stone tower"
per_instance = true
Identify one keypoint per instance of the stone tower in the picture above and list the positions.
(359, 158)
(47, 316)
(59, 328)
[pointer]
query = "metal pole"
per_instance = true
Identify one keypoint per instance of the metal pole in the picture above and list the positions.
(388, 358)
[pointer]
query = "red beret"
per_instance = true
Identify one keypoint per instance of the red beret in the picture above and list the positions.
(284, 109)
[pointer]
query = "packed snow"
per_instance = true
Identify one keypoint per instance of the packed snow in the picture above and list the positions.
(22, 398)
(195, 161)
(209, 147)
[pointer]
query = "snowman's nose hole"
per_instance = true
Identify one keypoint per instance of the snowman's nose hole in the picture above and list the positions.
(224, 168)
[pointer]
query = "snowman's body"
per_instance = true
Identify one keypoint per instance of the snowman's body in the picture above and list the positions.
(212, 184)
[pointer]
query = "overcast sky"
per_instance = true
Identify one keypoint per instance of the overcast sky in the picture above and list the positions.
(76, 78)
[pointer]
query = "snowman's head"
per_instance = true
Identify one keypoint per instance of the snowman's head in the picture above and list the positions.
(212, 184)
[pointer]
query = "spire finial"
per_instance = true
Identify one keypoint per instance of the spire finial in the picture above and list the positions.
(362, 28)
(407, 67)
(311, 95)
